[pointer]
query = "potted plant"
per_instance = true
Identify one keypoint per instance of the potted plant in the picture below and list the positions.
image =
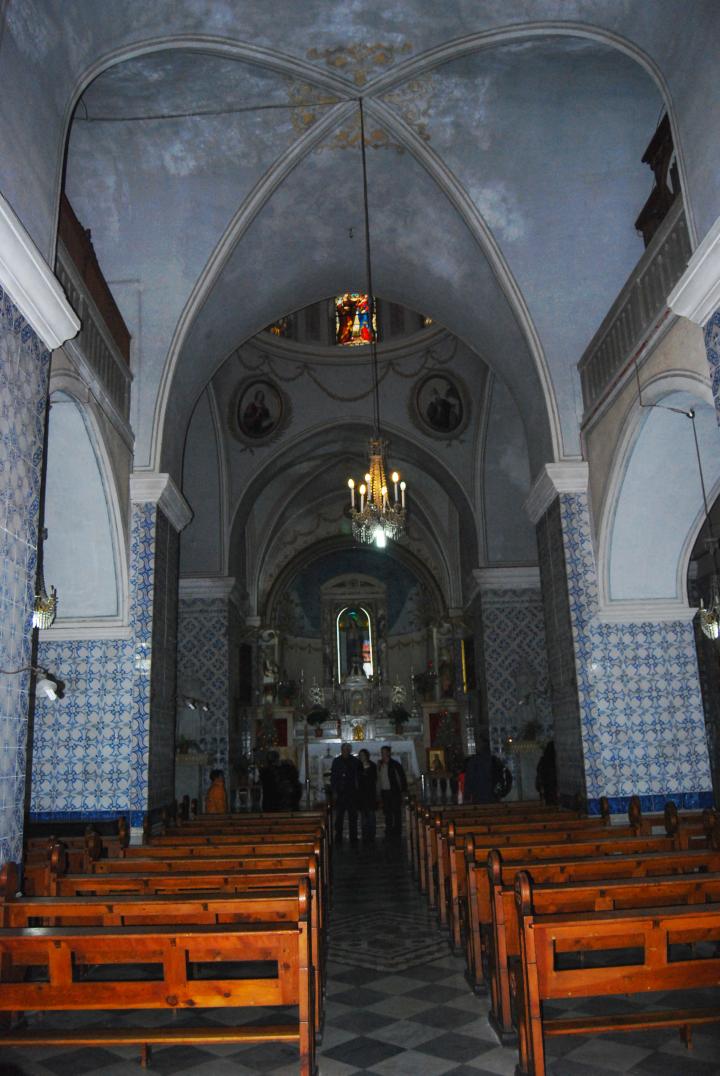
(399, 716)
(184, 746)
(316, 717)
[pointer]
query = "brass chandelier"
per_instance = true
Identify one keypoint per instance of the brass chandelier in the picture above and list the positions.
(375, 517)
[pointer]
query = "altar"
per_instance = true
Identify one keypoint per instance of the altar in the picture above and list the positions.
(322, 752)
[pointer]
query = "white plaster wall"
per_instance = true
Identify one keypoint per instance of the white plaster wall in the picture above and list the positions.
(79, 556)
(201, 543)
(510, 536)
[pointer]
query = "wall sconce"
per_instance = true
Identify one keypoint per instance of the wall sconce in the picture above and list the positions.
(46, 686)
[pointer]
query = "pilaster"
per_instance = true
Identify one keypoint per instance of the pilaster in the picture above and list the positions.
(626, 697)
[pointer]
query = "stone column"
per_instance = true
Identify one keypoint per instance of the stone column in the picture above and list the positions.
(514, 651)
(626, 699)
(159, 513)
(207, 656)
(34, 318)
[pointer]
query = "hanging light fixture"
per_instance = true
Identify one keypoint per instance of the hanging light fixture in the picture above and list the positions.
(375, 515)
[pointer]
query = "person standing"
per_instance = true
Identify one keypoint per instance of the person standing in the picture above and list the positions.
(344, 789)
(216, 799)
(393, 785)
(478, 786)
(367, 795)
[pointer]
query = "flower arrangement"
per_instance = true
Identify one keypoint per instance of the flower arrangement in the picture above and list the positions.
(317, 715)
(399, 716)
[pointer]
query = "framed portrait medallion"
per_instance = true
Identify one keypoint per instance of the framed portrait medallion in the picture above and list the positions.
(259, 410)
(440, 405)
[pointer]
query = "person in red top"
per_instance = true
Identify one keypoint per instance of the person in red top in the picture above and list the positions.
(216, 799)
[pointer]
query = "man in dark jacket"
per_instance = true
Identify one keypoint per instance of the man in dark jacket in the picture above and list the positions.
(344, 788)
(393, 785)
(479, 775)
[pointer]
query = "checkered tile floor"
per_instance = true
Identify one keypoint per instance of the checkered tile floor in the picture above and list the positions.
(398, 1005)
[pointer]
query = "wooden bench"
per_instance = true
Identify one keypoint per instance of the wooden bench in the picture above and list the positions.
(72, 955)
(199, 877)
(517, 847)
(241, 904)
(652, 931)
(583, 885)
(427, 820)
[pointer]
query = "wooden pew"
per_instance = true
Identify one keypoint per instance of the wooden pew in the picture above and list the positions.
(689, 877)
(450, 842)
(71, 953)
(199, 877)
(432, 818)
(244, 903)
(80, 849)
(517, 846)
(652, 930)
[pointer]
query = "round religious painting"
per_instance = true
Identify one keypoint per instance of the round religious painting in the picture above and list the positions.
(440, 405)
(258, 410)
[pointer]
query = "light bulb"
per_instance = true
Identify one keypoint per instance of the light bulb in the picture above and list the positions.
(395, 476)
(383, 491)
(362, 489)
(380, 539)
(403, 485)
(351, 483)
(368, 477)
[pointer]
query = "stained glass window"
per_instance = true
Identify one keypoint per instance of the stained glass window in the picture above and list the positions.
(352, 319)
(282, 327)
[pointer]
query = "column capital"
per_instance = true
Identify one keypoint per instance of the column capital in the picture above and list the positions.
(156, 488)
(555, 478)
(208, 587)
(696, 295)
(31, 284)
(516, 577)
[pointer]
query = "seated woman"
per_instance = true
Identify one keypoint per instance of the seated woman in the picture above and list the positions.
(216, 799)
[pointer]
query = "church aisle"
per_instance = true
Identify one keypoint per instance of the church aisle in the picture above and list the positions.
(398, 1005)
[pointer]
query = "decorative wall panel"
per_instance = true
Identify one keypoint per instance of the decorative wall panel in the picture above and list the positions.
(641, 714)
(515, 657)
(203, 657)
(24, 365)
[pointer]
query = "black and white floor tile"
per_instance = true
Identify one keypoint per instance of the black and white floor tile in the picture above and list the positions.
(398, 1005)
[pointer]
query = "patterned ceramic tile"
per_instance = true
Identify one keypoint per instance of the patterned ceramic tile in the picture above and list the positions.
(712, 346)
(204, 659)
(511, 656)
(24, 366)
(641, 711)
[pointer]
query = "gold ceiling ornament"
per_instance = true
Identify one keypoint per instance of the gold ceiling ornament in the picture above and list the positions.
(376, 517)
(44, 604)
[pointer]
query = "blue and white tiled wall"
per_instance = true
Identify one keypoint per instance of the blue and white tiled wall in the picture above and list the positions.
(712, 347)
(24, 371)
(204, 659)
(638, 691)
(97, 753)
(509, 654)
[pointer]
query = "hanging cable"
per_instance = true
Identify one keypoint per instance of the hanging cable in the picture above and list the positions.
(368, 269)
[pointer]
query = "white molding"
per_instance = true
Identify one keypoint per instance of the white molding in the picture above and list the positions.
(159, 489)
(555, 478)
(85, 628)
(30, 282)
(520, 577)
(697, 293)
(642, 611)
(206, 587)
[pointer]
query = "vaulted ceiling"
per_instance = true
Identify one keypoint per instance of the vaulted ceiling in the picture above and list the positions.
(213, 150)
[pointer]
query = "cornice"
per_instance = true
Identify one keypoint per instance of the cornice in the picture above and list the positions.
(696, 295)
(91, 628)
(555, 478)
(649, 610)
(519, 577)
(27, 278)
(207, 587)
(156, 488)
